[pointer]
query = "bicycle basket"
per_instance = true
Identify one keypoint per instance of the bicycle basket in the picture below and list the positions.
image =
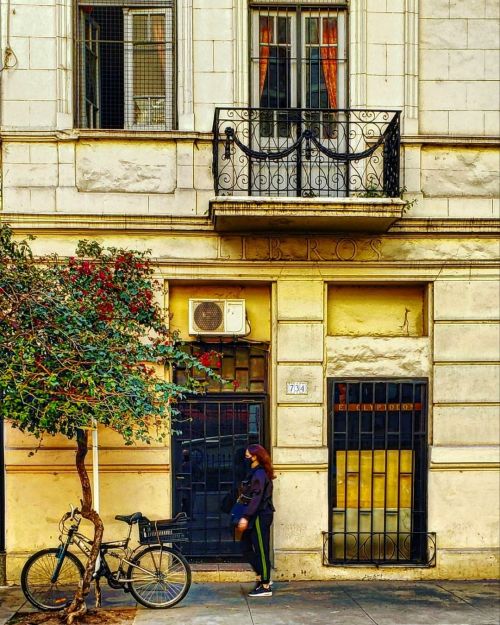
(166, 531)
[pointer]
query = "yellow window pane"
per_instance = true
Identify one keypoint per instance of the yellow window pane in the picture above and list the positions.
(378, 491)
(406, 461)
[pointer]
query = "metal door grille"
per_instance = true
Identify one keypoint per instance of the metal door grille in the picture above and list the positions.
(378, 473)
(209, 463)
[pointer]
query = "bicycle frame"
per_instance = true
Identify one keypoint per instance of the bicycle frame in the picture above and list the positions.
(84, 544)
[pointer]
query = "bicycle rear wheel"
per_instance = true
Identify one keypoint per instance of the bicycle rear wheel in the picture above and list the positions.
(36, 582)
(159, 577)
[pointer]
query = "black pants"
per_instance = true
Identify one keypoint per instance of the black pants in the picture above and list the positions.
(255, 546)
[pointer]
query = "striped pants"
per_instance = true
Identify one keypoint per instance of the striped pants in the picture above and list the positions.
(255, 546)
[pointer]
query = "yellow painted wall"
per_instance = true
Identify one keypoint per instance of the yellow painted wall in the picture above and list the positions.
(376, 310)
(257, 303)
(40, 488)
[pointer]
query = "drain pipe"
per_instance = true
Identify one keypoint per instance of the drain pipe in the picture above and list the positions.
(9, 61)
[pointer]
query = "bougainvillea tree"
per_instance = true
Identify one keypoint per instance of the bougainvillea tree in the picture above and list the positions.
(84, 341)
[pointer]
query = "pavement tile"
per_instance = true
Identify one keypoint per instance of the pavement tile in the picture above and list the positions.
(422, 603)
(311, 603)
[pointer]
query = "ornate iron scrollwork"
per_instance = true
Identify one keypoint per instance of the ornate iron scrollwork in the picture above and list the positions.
(404, 548)
(306, 152)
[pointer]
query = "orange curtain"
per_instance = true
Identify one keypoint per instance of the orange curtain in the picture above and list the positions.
(265, 38)
(159, 36)
(329, 59)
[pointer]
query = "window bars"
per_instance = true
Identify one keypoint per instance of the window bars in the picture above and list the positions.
(208, 450)
(378, 473)
(125, 64)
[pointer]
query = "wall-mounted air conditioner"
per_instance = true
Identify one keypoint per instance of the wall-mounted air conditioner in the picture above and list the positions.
(217, 317)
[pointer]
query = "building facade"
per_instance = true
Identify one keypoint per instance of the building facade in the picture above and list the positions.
(318, 185)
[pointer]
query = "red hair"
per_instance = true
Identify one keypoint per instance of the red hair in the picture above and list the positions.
(264, 459)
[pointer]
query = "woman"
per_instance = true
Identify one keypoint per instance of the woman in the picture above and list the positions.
(256, 522)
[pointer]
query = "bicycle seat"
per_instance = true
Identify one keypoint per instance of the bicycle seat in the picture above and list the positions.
(130, 519)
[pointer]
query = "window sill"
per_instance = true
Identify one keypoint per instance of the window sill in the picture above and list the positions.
(141, 135)
(107, 135)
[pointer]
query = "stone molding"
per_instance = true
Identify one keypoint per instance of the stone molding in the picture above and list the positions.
(26, 135)
(301, 467)
(145, 223)
(240, 53)
(64, 61)
(103, 468)
(185, 78)
(358, 53)
(410, 117)
(470, 466)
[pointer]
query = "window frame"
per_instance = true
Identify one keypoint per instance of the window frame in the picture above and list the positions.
(298, 12)
(164, 7)
(128, 66)
(420, 451)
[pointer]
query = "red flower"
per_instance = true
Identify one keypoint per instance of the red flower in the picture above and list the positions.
(205, 359)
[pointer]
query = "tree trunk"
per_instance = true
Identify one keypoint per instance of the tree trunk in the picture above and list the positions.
(78, 606)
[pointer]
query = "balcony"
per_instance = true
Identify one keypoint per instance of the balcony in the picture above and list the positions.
(306, 170)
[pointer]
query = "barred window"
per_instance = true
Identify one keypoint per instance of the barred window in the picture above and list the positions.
(125, 61)
(378, 473)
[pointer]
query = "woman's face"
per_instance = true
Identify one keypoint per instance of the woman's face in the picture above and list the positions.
(249, 456)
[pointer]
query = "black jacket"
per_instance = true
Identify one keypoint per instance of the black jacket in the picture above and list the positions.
(259, 488)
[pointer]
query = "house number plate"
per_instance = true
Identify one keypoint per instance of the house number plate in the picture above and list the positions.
(296, 388)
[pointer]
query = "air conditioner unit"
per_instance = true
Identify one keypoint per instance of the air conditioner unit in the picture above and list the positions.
(217, 317)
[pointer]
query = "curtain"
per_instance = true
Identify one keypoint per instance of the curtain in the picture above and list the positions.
(158, 28)
(265, 38)
(329, 59)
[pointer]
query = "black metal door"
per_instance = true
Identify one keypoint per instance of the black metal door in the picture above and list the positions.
(208, 465)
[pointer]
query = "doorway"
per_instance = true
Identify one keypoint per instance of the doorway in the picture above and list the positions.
(210, 436)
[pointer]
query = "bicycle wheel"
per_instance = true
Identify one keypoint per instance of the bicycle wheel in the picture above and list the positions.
(159, 577)
(36, 579)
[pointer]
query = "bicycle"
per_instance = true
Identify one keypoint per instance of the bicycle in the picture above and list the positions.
(157, 575)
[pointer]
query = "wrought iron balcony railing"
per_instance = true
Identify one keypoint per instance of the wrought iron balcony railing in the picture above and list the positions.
(306, 152)
(379, 548)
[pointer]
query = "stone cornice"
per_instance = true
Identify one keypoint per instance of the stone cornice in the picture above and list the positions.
(473, 141)
(103, 468)
(445, 226)
(104, 135)
(67, 222)
(26, 135)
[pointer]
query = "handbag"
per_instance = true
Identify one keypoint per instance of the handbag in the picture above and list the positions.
(228, 500)
(239, 508)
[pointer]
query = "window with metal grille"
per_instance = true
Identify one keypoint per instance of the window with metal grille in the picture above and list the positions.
(299, 56)
(378, 473)
(125, 64)
(242, 366)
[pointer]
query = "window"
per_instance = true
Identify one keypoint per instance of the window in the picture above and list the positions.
(125, 65)
(299, 58)
(378, 472)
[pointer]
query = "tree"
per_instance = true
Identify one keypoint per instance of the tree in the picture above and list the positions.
(85, 342)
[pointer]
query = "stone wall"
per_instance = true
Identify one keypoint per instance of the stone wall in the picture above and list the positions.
(459, 67)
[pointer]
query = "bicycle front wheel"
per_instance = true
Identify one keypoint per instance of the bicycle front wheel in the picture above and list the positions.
(159, 577)
(36, 579)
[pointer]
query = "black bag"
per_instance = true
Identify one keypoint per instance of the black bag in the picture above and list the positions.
(239, 508)
(227, 501)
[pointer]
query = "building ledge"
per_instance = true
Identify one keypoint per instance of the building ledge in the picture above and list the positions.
(288, 214)
(28, 135)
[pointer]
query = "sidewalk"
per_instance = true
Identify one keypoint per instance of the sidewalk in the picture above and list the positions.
(312, 603)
